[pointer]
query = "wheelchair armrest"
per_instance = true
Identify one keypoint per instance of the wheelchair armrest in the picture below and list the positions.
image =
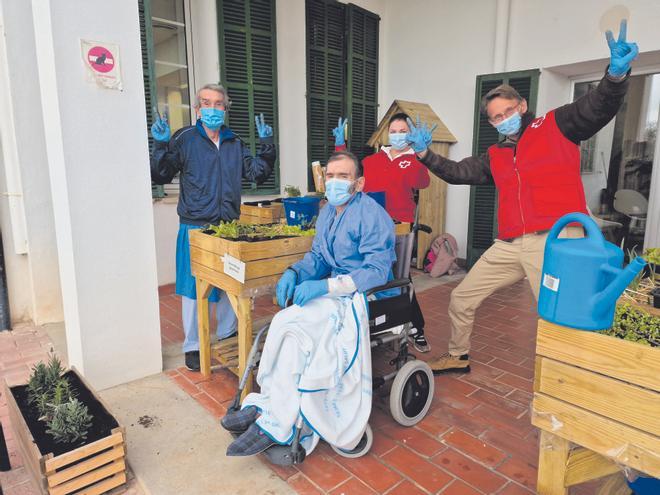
(392, 284)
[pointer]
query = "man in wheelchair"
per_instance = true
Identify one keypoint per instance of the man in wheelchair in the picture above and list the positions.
(315, 368)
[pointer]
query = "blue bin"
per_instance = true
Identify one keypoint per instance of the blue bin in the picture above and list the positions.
(301, 211)
(645, 486)
(378, 197)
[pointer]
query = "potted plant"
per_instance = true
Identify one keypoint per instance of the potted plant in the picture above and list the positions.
(68, 439)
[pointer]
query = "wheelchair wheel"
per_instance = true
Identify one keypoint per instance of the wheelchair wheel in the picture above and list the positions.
(411, 393)
(361, 448)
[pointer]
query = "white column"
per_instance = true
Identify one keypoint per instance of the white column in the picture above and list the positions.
(98, 165)
(501, 41)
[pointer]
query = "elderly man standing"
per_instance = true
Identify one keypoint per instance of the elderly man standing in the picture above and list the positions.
(211, 161)
(536, 169)
(316, 360)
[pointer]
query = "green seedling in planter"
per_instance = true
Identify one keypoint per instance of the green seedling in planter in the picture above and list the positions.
(634, 284)
(234, 230)
(292, 191)
(652, 256)
(43, 384)
(635, 325)
(70, 423)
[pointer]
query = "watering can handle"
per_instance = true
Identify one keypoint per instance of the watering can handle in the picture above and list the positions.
(586, 221)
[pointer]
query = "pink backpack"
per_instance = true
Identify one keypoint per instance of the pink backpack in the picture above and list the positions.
(441, 256)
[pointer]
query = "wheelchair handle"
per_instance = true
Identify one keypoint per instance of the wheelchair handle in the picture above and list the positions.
(423, 228)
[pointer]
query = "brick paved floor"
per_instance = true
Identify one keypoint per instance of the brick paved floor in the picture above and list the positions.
(477, 438)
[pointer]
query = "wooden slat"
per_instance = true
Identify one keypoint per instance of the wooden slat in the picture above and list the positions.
(84, 451)
(627, 361)
(585, 465)
(250, 220)
(629, 404)
(553, 454)
(432, 202)
(32, 457)
(250, 251)
(621, 443)
(88, 478)
(105, 485)
(271, 212)
(86, 466)
(253, 269)
(231, 285)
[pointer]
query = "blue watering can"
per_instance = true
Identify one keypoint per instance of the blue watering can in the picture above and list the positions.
(582, 278)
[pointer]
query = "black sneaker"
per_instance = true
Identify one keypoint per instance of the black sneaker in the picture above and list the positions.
(192, 360)
(420, 343)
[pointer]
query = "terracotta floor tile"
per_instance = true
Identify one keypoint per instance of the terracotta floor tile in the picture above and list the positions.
(303, 486)
(520, 471)
(514, 489)
(475, 448)
(459, 488)
(323, 471)
(469, 471)
(371, 471)
(518, 382)
(406, 488)
(353, 487)
(186, 385)
(509, 406)
(416, 468)
(414, 439)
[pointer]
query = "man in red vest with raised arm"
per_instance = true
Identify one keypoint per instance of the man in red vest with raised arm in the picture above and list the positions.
(536, 169)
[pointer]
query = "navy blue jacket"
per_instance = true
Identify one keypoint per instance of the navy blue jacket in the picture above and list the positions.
(210, 181)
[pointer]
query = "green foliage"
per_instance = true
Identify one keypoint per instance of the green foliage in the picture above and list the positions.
(634, 284)
(70, 422)
(234, 230)
(652, 256)
(635, 325)
(291, 191)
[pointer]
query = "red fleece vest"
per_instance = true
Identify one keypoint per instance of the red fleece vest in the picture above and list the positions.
(538, 181)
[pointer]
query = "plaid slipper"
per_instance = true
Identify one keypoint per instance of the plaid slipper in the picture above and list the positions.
(239, 421)
(252, 442)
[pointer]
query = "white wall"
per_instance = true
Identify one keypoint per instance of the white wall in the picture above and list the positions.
(33, 278)
(97, 148)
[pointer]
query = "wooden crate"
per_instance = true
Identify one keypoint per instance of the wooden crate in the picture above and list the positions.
(264, 261)
(92, 469)
(261, 215)
(600, 393)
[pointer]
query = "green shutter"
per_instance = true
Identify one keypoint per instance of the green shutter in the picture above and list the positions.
(482, 226)
(326, 73)
(362, 78)
(248, 62)
(148, 76)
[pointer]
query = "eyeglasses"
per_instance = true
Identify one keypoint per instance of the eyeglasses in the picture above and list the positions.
(503, 116)
(220, 105)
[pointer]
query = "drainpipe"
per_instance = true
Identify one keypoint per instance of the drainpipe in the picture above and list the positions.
(501, 41)
(5, 319)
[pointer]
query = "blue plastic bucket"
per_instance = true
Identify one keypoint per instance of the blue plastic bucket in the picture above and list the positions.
(378, 197)
(645, 486)
(301, 211)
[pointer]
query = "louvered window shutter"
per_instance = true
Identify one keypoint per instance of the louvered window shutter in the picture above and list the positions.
(325, 76)
(148, 76)
(248, 62)
(362, 77)
(482, 227)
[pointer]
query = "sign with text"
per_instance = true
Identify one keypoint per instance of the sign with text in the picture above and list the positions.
(102, 63)
(233, 267)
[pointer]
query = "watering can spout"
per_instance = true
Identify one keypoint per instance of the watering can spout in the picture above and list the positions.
(607, 297)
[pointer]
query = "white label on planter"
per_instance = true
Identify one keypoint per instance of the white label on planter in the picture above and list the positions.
(235, 268)
(292, 214)
(551, 282)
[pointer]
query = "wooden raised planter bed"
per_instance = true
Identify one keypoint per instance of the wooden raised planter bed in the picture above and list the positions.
(597, 402)
(91, 468)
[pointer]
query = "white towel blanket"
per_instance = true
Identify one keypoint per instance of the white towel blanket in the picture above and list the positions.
(316, 362)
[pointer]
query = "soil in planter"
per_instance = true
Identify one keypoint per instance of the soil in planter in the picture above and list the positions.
(102, 420)
(250, 238)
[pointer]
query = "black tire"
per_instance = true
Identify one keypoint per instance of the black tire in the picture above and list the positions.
(412, 393)
(361, 448)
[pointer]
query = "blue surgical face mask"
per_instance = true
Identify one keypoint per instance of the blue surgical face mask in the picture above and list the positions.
(398, 140)
(212, 118)
(510, 126)
(338, 191)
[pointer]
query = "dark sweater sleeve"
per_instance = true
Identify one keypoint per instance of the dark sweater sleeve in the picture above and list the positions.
(474, 170)
(166, 161)
(587, 115)
(258, 168)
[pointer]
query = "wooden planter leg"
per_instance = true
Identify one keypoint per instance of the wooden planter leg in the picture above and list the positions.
(553, 459)
(203, 291)
(244, 315)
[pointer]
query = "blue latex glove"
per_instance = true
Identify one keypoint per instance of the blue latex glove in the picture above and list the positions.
(263, 129)
(338, 132)
(160, 130)
(309, 290)
(285, 287)
(621, 52)
(420, 135)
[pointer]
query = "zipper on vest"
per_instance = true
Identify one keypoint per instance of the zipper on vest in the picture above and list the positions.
(515, 167)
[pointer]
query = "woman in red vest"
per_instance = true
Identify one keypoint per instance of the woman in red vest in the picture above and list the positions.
(395, 170)
(536, 169)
